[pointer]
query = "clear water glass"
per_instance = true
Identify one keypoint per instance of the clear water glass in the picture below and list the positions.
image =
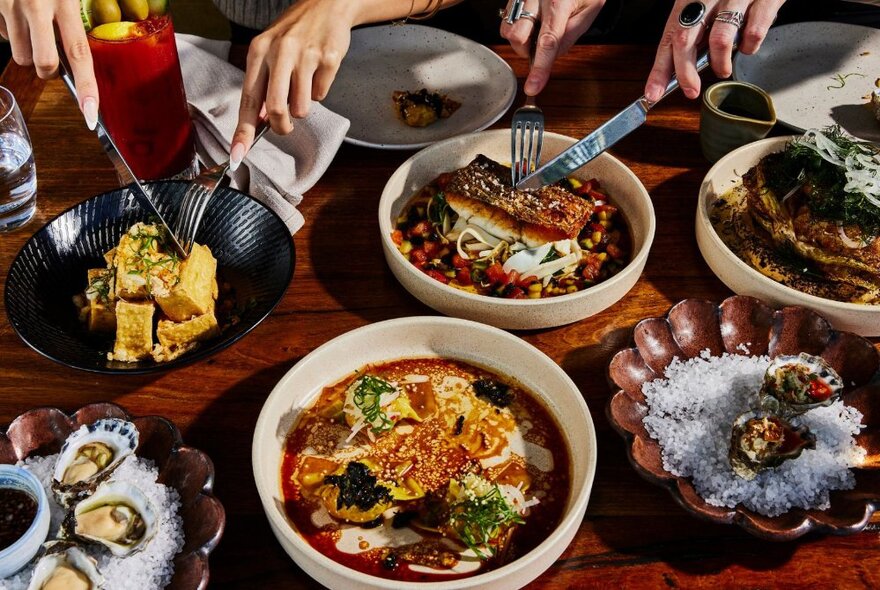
(18, 174)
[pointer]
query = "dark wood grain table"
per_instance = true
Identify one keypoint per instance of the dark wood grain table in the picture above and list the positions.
(634, 535)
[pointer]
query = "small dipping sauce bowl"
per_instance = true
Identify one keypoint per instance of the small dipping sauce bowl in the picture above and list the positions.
(732, 115)
(17, 486)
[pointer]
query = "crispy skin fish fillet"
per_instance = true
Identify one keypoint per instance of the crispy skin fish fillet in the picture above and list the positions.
(793, 224)
(482, 195)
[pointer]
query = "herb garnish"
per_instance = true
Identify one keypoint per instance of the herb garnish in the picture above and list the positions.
(368, 399)
(840, 80)
(99, 288)
(478, 520)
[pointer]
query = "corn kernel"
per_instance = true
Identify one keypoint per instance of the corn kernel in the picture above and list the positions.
(535, 288)
(571, 289)
(603, 215)
(605, 223)
(587, 244)
(603, 256)
(534, 294)
(575, 183)
(596, 237)
(406, 247)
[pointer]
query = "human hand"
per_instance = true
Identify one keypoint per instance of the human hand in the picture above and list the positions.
(29, 26)
(561, 23)
(678, 47)
(289, 65)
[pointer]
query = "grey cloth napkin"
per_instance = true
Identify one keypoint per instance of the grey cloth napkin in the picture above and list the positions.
(279, 169)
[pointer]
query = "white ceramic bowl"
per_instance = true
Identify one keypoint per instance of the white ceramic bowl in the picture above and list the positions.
(626, 191)
(424, 337)
(17, 555)
(745, 280)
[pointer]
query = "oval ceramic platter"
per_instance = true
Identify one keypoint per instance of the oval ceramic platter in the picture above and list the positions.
(818, 74)
(410, 57)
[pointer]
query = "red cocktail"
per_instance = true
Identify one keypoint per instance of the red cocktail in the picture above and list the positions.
(142, 99)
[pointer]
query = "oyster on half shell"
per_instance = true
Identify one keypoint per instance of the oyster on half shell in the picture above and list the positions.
(794, 384)
(90, 455)
(118, 516)
(64, 566)
(760, 441)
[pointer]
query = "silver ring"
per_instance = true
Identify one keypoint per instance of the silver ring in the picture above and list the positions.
(731, 17)
(517, 11)
(692, 14)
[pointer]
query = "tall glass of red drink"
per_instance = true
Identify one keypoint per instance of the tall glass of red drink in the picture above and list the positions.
(142, 98)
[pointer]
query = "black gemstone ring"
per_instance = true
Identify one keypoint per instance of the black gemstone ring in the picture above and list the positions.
(692, 14)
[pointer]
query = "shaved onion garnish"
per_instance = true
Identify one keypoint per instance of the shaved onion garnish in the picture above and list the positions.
(849, 242)
(516, 499)
(479, 236)
(859, 161)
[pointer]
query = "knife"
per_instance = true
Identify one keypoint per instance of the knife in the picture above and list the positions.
(122, 168)
(612, 131)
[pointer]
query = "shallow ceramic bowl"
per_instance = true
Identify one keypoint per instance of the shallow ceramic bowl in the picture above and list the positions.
(694, 325)
(625, 189)
(424, 337)
(252, 245)
(42, 431)
(16, 556)
(745, 280)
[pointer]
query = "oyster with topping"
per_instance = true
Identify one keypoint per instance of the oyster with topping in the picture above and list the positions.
(64, 566)
(118, 516)
(761, 441)
(794, 384)
(90, 455)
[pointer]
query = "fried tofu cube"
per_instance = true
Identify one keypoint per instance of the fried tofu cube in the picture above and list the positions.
(181, 334)
(102, 300)
(193, 295)
(134, 330)
(141, 269)
(110, 257)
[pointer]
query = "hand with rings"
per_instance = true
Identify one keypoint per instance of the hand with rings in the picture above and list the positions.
(687, 27)
(558, 24)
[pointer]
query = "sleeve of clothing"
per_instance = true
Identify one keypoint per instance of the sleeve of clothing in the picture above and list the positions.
(253, 14)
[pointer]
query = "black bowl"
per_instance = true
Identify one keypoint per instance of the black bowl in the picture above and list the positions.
(253, 247)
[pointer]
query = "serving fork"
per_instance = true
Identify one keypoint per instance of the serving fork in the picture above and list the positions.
(526, 133)
(199, 192)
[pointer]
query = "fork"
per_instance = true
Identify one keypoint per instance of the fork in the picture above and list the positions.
(199, 192)
(528, 120)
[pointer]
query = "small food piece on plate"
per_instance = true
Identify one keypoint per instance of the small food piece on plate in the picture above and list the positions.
(143, 270)
(422, 108)
(875, 99)
(64, 566)
(196, 290)
(472, 474)
(761, 441)
(101, 295)
(134, 331)
(795, 384)
(176, 338)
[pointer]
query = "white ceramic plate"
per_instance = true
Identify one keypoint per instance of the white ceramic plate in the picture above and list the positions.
(745, 280)
(410, 57)
(798, 65)
(412, 337)
(518, 314)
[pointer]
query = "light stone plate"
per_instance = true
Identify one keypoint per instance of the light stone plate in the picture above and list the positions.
(624, 187)
(797, 65)
(745, 280)
(413, 337)
(410, 57)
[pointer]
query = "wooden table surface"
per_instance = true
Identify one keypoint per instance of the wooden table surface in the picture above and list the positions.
(634, 535)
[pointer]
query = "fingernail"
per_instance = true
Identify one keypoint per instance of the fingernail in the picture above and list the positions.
(90, 112)
(691, 92)
(236, 155)
(530, 88)
(653, 92)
